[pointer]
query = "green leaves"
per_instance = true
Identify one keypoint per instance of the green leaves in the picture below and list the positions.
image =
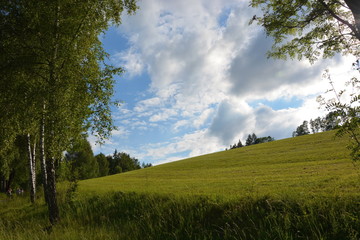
(51, 55)
(308, 29)
(347, 111)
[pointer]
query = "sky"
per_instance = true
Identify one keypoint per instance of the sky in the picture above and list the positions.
(197, 80)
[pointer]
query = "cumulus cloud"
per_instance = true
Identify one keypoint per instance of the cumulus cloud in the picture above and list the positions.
(182, 47)
(231, 121)
(205, 65)
(253, 75)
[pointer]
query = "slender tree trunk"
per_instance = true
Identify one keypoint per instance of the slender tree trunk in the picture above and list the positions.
(51, 190)
(2, 183)
(10, 180)
(42, 155)
(50, 160)
(32, 168)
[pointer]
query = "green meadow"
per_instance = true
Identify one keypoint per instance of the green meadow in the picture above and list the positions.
(309, 165)
(298, 188)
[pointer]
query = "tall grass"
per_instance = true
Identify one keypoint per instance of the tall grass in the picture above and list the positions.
(134, 216)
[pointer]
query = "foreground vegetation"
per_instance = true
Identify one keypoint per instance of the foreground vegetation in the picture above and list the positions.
(146, 216)
(299, 188)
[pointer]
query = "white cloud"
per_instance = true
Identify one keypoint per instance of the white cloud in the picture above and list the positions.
(121, 131)
(181, 123)
(163, 115)
(193, 144)
(130, 61)
(206, 64)
(204, 116)
(232, 120)
(148, 104)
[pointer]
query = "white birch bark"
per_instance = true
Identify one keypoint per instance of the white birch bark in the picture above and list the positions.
(42, 154)
(32, 169)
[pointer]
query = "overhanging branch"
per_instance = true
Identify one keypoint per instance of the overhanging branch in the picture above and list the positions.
(343, 21)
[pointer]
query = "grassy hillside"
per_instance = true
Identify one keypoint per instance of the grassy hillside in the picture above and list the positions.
(298, 188)
(308, 165)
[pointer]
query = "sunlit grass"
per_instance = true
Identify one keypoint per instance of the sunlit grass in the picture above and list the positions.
(308, 165)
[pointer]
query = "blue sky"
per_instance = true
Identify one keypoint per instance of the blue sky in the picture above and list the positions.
(197, 80)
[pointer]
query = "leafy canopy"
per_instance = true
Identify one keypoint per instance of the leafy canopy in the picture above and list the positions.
(310, 28)
(53, 65)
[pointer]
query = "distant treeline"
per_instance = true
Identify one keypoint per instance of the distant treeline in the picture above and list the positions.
(330, 122)
(78, 163)
(81, 163)
(251, 140)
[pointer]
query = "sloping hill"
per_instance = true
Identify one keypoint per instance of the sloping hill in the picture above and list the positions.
(314, 164)
(299, 188)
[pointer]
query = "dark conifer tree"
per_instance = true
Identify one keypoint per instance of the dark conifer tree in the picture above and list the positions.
(249, 140)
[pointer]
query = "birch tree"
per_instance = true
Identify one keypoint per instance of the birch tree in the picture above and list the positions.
(73, 84)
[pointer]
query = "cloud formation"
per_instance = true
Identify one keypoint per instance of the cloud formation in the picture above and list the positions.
(206, 65)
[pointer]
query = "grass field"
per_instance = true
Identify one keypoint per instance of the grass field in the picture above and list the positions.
(299, 188)
(307, 165)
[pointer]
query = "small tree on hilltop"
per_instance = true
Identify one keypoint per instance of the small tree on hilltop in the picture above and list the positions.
(239, 144)
(301, 130)
(264, 139)
(251, 139)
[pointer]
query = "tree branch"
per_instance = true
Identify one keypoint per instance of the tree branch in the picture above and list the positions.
(334, 15)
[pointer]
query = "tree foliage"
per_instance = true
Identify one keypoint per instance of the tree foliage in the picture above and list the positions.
(122, 162)
(54, 74)
(81, 160)
(251, 140)
(103, 164)
(313, 29)
(80, 163)
(320, 124)
(346, 112)
(13, 166)
(310, 28)
(237, 145)
(301, 130)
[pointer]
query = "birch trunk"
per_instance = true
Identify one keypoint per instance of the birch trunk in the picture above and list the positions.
(51, 191)
(32, 168)
(50, 160)
(42, 155)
